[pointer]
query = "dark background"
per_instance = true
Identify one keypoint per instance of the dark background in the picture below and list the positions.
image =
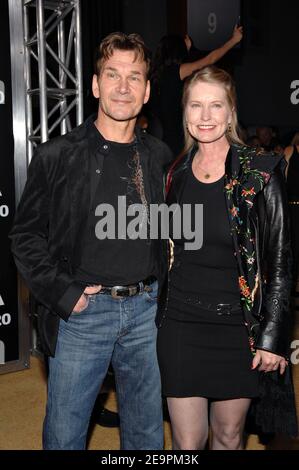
(264, 66)
(269, 64)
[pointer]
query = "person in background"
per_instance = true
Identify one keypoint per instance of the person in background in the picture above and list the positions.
(224, 317)
(277, 147)
(169, 70)
(253, 141)
(266, 136)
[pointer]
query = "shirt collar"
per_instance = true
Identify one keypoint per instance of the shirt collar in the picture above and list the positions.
(97, 142)
(95, 138)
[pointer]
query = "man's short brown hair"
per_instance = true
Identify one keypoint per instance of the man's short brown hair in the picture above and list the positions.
(123, 42)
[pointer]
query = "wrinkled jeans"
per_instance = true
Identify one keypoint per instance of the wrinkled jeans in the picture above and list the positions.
(119, 330)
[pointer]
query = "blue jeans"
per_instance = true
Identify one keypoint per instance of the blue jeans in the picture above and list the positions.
(119, 330)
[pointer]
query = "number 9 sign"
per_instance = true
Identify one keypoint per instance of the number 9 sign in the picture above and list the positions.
(212, 22)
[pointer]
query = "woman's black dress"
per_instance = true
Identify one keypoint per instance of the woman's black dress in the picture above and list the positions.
(202, 353)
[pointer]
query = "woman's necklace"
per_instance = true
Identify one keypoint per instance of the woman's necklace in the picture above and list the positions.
(206, 174)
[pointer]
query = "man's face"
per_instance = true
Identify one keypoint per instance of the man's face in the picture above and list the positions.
(122, 87)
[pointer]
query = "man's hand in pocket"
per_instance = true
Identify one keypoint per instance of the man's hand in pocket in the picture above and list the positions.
(83, 300)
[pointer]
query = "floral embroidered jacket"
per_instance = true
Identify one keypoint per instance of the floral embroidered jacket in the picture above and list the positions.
(258, 213)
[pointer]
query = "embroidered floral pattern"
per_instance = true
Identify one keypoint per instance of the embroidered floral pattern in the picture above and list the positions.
(245, 293)
(235, 214)
(250, 256)
(234, 211)
(252, 344)
(266, 176)
(241, 189)
(248, 192)
(230, 186)
(259, 176)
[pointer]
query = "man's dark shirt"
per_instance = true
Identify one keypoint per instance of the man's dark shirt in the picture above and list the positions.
(116, 261)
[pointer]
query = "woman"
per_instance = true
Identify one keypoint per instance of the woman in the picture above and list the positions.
(219, 322)
(171, 65)
(292, 173)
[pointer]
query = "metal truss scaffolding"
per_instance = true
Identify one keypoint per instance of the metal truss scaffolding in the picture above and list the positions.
(47, 98)
(52, 66)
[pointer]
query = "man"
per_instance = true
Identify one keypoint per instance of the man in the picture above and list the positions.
(97, 295)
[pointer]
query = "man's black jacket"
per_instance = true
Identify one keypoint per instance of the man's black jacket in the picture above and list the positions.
(46, 235)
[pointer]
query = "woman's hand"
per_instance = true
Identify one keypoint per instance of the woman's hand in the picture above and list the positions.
(268, 361)
(83, 300)
(237, 34)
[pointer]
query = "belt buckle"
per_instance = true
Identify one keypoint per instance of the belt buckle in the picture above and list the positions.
(114, 293)
(223, 309)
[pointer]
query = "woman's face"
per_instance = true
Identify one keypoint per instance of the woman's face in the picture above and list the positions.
(207, 112)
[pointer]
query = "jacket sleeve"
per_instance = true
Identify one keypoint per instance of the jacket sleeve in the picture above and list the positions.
(47, 278)
(275, 327)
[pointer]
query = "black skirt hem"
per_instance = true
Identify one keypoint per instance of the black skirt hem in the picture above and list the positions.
(208, 396)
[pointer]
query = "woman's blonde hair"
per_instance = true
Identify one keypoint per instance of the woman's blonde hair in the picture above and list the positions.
(217, 76)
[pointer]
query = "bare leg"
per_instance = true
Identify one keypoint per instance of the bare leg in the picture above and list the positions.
(227, 419)
(189, 421)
